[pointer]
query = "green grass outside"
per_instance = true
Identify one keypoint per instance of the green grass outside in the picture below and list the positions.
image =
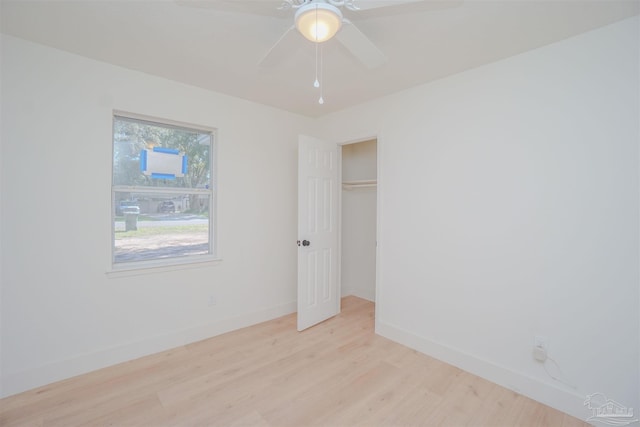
(154, 231)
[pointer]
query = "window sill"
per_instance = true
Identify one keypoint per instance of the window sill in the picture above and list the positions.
(160, 266)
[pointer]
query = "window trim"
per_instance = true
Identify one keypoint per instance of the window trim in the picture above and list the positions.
(176, 263)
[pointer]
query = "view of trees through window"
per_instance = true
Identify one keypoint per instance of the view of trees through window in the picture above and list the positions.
(162, 191)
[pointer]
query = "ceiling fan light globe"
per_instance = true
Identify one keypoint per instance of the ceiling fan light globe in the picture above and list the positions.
(327, 17)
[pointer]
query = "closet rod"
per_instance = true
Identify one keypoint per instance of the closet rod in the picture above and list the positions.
(365, 183)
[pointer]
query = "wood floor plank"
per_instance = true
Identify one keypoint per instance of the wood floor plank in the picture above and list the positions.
(496, 408)
(385, 400)
(337, 373)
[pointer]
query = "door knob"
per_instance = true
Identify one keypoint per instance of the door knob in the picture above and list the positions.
(306, 243)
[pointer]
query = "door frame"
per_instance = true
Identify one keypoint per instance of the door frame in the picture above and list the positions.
(377, 138)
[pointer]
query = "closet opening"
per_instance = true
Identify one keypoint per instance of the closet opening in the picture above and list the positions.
(359, 219)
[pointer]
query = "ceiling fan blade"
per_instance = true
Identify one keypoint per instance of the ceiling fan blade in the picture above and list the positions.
(375, 4)
(381, 8)
(282, 49)
(360, 46)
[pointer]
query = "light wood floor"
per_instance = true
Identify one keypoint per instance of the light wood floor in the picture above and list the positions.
(338, 373)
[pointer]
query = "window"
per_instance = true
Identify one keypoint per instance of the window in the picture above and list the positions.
(163, 192)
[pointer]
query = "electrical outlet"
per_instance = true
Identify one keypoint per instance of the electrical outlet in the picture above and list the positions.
(540, 341)
(540, 345)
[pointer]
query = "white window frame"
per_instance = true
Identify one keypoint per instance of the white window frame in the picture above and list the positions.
(212, 192)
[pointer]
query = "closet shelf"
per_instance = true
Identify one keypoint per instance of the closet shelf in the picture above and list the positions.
(363, 183)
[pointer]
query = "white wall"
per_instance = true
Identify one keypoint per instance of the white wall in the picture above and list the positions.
(61, 313)
(358, 255)
(509, 208)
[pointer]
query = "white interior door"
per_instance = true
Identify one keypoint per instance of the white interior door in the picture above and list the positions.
(318, 285)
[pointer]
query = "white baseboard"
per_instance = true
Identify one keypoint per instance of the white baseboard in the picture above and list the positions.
(567, 401)
(369, 295)
(81, 364)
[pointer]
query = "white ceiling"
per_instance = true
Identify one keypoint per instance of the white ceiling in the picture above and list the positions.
(217, 45)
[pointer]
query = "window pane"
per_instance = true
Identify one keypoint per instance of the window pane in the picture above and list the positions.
(162, 190)
(156, 155)
(149, 226)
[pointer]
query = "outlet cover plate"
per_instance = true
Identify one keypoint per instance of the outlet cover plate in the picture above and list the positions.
(540, 341)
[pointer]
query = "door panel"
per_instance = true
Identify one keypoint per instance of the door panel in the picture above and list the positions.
(318, 285)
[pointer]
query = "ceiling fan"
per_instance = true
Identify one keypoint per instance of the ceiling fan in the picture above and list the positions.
(321, 20)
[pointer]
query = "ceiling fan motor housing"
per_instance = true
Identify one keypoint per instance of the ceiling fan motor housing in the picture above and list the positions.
(318, 21)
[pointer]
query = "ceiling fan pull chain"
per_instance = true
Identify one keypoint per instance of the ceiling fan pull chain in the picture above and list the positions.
(321, 100)
(316, 83)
